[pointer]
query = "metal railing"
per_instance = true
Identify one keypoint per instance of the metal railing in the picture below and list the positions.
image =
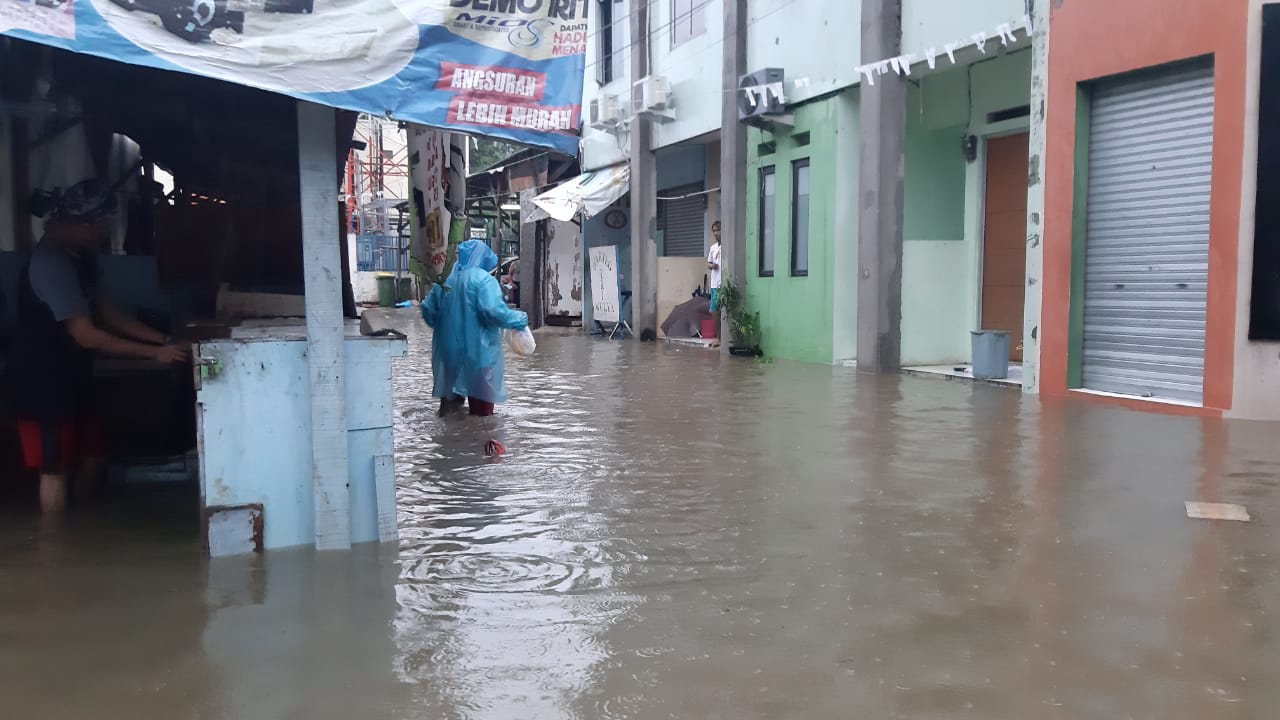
(382, 253)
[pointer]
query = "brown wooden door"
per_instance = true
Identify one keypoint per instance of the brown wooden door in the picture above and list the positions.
(1004, 247)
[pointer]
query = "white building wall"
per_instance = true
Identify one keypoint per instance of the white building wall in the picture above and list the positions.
(601, 148)
(815, 41)
(1256, 380)
(934, 23)
(819, 43)
(364, 285)
(693, 70)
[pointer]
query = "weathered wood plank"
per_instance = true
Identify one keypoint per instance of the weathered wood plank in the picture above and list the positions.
(322, 266)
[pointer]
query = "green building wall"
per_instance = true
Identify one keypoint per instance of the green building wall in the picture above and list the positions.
(814, 318)
(810, 318)
(943, 209)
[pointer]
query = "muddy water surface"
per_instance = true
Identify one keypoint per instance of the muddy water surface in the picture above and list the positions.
(673, 535)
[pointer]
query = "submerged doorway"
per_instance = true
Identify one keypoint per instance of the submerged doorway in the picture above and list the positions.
(1004, 249)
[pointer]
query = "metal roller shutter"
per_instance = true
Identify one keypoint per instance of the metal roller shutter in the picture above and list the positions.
(1147, 235)
(683, 222)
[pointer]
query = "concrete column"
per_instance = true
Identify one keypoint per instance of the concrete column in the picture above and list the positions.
(733, 154)
(883, 117)
(530, 299)
(1035, 197)
(322, 268)
(643, 282)
(712, 181)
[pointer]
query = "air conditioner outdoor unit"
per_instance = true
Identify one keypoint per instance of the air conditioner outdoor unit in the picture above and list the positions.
(761, 98)
(605, 112)
(655, 93)
(653, 98)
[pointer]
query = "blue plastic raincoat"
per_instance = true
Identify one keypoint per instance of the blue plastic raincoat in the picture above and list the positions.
(467, 315)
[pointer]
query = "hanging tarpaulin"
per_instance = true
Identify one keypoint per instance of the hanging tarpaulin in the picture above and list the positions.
(511, 69)
(590, 193)
(437, 175)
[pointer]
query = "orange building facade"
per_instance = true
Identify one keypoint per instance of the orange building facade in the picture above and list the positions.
(1150, 176)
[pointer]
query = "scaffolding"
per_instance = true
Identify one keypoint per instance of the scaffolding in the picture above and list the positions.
(375, 186)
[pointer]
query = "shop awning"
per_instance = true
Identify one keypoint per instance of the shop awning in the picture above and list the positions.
(507, 70)
(589, 193)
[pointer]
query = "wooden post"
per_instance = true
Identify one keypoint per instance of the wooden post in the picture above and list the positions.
(322, 266)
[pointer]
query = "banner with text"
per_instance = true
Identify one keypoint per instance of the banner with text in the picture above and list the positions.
(510, 69)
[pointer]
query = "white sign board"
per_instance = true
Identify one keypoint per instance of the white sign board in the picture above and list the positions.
(605, 297)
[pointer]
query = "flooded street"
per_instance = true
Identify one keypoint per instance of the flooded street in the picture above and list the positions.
(676, 535)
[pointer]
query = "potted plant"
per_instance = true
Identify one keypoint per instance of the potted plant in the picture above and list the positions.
(744, 325)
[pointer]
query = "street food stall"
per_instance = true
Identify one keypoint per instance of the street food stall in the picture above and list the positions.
(224, 134)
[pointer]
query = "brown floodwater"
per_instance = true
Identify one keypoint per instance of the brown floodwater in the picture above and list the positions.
(676, 535)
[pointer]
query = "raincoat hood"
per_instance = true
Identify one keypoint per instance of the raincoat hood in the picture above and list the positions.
(475, 254)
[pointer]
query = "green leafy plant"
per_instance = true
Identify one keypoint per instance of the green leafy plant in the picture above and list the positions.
(744, 325)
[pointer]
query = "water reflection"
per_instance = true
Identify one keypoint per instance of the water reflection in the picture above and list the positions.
(299, 634)
(509, 570)
(673, 534)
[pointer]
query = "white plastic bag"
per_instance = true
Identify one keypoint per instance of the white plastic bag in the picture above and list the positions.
(521, 342)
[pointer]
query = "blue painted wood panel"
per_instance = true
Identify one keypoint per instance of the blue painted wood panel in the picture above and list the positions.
(255, 432)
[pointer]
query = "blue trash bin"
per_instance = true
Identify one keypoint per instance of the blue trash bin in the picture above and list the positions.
(990, 354)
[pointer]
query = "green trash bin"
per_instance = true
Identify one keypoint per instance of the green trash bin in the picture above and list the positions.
(406, 289)
(386, 290)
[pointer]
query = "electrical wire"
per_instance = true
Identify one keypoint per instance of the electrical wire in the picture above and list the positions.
(750, 22)
(689, 195)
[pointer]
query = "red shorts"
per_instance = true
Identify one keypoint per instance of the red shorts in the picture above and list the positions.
(54, 448)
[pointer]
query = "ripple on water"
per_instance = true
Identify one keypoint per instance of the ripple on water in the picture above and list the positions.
(496, 573)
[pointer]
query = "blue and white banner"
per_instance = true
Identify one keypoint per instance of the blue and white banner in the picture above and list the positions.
(510, 69)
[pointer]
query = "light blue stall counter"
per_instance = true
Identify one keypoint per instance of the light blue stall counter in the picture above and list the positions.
(254, 420)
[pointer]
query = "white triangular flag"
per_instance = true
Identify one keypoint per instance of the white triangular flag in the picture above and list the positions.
(902, 64)
(980, 39)
(750, 92)
(951, 51)
(931, 56)
(1006, 33)
(1026, 24)
(776, 89)
(868, 72)
(882, 67)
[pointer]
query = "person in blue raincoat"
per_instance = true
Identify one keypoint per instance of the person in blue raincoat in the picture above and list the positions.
(467, 315)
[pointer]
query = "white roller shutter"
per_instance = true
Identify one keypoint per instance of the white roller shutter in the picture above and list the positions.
(1147, 236)
(683, 222)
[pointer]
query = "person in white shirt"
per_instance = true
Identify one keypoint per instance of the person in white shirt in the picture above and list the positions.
(713, 264)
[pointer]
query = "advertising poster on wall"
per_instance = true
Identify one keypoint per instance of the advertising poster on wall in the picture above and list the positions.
(509, 69)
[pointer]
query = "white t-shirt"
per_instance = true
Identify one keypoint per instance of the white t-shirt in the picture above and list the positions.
(714, 257)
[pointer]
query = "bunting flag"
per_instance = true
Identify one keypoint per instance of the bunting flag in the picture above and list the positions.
(756, 93)
(901, 64)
